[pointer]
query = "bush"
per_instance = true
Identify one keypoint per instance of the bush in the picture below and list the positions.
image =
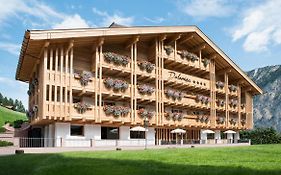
(2, 130)
(5, 143)
(261, 136)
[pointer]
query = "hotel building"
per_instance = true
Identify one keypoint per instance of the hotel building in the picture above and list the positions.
(89, 87)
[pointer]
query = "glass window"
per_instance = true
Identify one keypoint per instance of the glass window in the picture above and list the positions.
(137, 134)
(76, 130)
(109, 133)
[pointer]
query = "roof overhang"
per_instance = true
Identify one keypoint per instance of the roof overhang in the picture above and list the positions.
(41, 35)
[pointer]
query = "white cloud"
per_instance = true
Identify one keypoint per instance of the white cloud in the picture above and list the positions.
(39, 14)
(260, 26)
(14, 89)
(116, 17)
(10, 47)
(206, 8)
(156, 20)
(74, 21)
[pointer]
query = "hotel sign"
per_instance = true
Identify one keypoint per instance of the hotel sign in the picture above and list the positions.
(179, 76)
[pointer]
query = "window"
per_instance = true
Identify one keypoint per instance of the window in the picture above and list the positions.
(76, 130)
(109, 133)
(137, 134)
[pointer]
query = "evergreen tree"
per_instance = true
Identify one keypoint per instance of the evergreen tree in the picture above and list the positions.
(1, 99)
(16, 104)
(21, 107)
(5, 101)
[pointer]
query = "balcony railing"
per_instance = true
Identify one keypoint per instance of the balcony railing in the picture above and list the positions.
(178, 59)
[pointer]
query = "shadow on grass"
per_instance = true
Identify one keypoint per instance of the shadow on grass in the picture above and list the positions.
(52, 164)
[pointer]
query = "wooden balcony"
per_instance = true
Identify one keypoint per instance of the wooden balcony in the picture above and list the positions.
(189, 102)
(139, 120)
(220, 90)
(144, 73)
(172, 77)
(232, 108)
(114, 119)
(231, 93)
(220, 108)
(196, 64)
(149, 97)
(57, 110)
(112, 66)
(111, 92)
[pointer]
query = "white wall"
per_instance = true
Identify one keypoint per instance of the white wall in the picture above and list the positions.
(217, 134)
(203, 136)
(92, 132)
(151, 133)
(62, 131)
(124, 132)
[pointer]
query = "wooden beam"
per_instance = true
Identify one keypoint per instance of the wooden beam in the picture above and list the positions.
(70, 45)
(198, 47)
(225, 70)
(162, 37)
(186, 39)
(132, 41)
(173, 39)
(46, 44)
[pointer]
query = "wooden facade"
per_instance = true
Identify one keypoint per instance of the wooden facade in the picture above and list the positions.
(174, 76)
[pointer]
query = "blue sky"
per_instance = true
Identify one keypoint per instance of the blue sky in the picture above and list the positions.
(249, 32)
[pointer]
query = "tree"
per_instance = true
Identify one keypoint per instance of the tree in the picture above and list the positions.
(1, 99)
(21, 108)
(5, 101)
(262, 136)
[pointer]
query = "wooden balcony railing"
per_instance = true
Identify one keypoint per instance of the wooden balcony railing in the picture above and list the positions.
(195, 64)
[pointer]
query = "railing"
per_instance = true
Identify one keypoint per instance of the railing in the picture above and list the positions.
(81, 142)
(200, 141)
(178, 59)
(187, 102)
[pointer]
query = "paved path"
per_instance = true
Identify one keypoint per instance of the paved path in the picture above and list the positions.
(11, 150)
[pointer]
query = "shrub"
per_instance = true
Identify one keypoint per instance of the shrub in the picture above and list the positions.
(261, 136)
(5, 143)
(2, 130)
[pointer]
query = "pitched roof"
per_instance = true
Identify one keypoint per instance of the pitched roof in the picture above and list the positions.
(119, 30)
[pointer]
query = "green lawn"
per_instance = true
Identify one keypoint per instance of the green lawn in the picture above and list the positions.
(9, 115)
(256, 160)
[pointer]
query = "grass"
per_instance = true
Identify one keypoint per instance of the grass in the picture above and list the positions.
(5, 143)
(256, 160)
(10, 115)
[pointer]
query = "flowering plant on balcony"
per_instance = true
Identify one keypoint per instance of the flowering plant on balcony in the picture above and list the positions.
(143, 113)
(174, 115)
(175, 94)
(233, 102)
(220, 120)
(31, 112)
(32, 86)
(232, 88)
(116, 84)
(203, 99)
(220, 102)
(146, 89)
(145, 65)
(188, 55)
(85, 77)
(202, 118)
(168, 49)
(116, 111)
(116, 58)
(82, 107)
(206, 62)
(243, 106)
(232, 121)
(243, 122)
(220, 85)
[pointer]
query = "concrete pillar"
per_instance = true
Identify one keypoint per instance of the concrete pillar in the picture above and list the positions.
(230, 137)
(124, 132)
(217, 136)
(151, 136)
(62, 131)
(51, 136)
(236, 137)
(203, 137)
(46, 136)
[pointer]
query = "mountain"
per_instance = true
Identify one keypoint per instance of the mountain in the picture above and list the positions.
(267, 107)
(10, 115)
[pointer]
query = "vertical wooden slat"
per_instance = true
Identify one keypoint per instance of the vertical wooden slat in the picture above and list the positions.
(132, 87)
(70, 83)
(96, 80)
(100, 83)
(56, 80)
(66, 83)
(61, 80)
